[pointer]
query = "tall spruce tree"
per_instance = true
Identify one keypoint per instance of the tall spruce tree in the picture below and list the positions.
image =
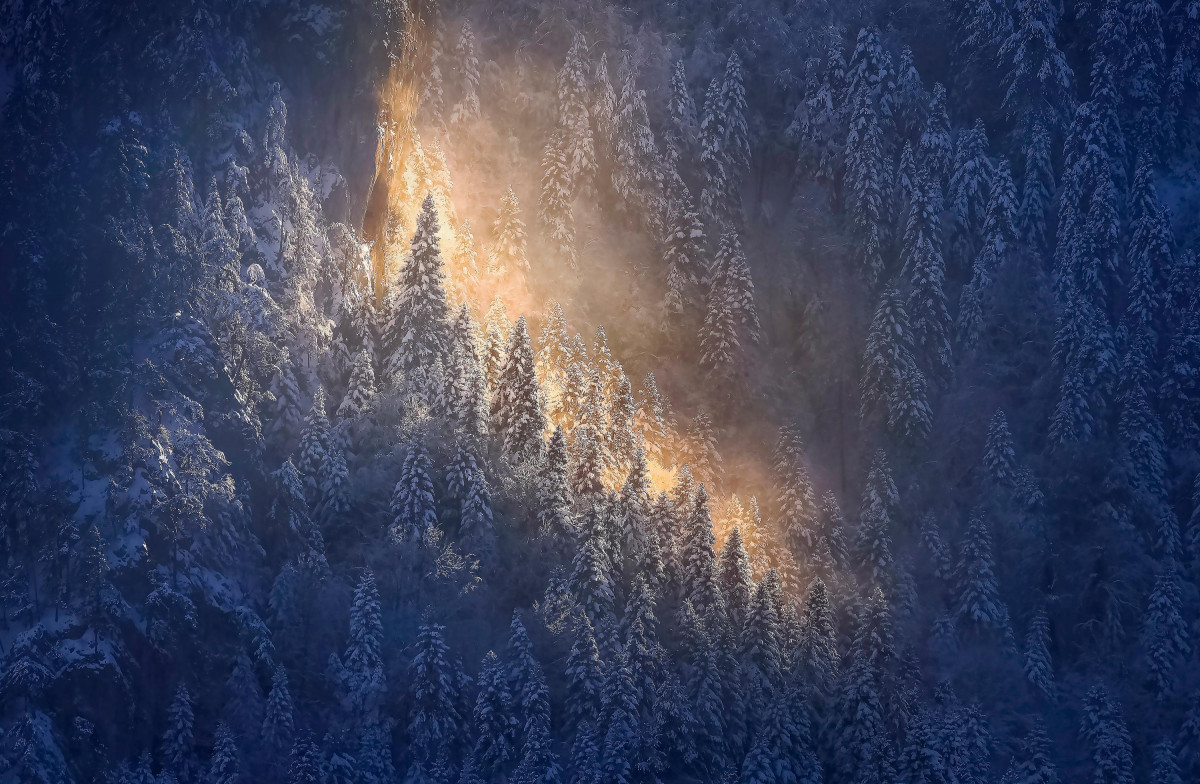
(517, 417)
(418, 332)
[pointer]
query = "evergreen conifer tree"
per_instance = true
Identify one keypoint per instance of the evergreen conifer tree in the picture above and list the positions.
(517, 417)
(495, 725)
(434, 726)
(1039, 668)
(413, 508)
(578, 148)
(418, 332)
(508, 238)
(178, 751)
(891, 380)
(467, 107)
(1108, 737)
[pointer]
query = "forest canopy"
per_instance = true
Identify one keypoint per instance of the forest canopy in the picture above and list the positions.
(573, 392)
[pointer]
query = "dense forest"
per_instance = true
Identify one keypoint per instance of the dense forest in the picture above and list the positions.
(566, 392)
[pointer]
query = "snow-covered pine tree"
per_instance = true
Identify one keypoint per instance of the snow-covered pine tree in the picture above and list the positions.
(1165, 766)
(699, 560)
(531, 698)
(734, 123)
(279, 720)
(288, 408)
(517, 417)
(999, 235)
(314, 445)
(866, 172)
(1105, 731)
(585, 672)
(733, 571)
(640, 542)
(1165, 636)
(816, 659)
(467, 58)
(359, 671)
(433, 94)
(731, 274)
(1179, 391)
(1039, 83)
(603, 111)
(642, 651)
(592, 580)
(1086, 262)
(361, 389)
(304, 761)
(554, 347)
(968, 192)
(873, 547)
(920, 759)
(820, 120)
(1139, 430)
(1150, 256)
(716, 197)
(870, 74)
(495, 725)
(926, 272)
(759, 645)
(466, 384)
(604, 364)
(935, 151)
(223, 767)
(556, 211)
(978, 597)
(435, 726)
(1035, 764)
(720, 347)
(246, 702)
(619, 750)
(1038, 665)
(999, 455)
(905, 185)
(795, 500)
(573, 115)
(1144, 72)
(178, 750)
(650, 420)
(419, 326)
(637, 171)
(911, 99)
(554, 494)
(705, 460)
(508, 238)
(834, 526)
(862, 745)
(587, 466)
(985, 26)
(891, 381)
(476, 529)
(1037, 187)
(333, 499)
(623, 441)
(413, 508)
(539, 762)
(681, 133)
(496, 335)
(683, 250)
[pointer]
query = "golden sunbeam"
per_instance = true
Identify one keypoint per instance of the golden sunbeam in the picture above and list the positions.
(411, 161)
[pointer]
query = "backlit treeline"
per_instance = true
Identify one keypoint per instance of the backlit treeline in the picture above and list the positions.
(583, 391)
